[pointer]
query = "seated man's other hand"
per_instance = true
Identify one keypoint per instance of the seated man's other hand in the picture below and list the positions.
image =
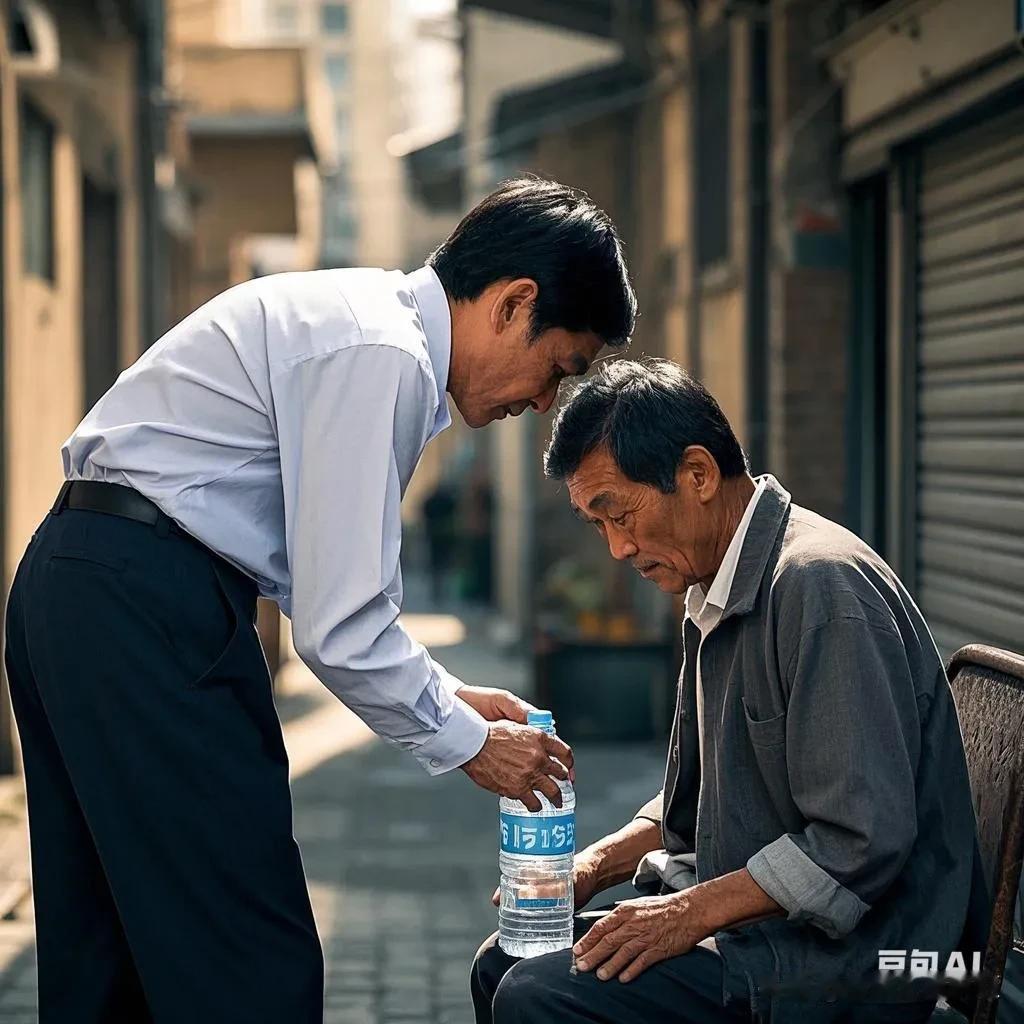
(585, 883)
(495, 705)
(638, 934)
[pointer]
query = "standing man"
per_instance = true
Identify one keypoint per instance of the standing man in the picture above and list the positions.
(262, 446)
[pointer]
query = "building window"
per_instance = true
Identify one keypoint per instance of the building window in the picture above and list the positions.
(37, 136)
(337, 71)
(335, 17)
(714, 73)
(284, 19)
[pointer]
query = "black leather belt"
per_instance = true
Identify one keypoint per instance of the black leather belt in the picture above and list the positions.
(115, 500)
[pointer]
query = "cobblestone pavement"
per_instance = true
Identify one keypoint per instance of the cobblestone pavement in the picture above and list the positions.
(400, 866)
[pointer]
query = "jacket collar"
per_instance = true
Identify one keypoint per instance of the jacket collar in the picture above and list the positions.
(769, 516)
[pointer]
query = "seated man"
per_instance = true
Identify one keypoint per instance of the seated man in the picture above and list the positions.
(816, 808)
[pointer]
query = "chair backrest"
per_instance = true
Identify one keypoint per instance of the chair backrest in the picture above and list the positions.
(988, 687)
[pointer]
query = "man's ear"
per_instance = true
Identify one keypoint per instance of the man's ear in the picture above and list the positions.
(516, 296)
(699, 471)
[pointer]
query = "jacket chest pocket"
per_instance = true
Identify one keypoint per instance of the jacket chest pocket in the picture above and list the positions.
(764, 796)
(765, 732)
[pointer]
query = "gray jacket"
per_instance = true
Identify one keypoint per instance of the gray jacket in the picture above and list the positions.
(833, 770)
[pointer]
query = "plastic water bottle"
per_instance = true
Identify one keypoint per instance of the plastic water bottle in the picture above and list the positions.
(537, 847)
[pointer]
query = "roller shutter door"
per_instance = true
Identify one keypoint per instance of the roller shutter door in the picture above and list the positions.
(969, 398)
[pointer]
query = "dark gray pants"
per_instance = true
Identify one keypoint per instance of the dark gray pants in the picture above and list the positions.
(684, 990)
(167, 883)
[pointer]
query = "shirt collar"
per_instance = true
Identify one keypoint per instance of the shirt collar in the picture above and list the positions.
(717, 596)
(432, 302)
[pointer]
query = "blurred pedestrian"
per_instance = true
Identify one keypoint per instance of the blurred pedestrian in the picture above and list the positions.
(262, 446)
(478, 538)
(439, 524)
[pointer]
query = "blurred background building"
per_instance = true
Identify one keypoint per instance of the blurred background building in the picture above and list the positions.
(822, 204)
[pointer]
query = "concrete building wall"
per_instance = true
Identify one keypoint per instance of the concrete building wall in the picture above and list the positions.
(226, 80)
(717, 354)
(723, 355)
(378, 185)
(44, 363)
(494, 51)
(812, 364)
(191, 22)
(804, 261)
(92, 109)
(809, 271)
(676, 133)
(244, 41)
(274, 195)
(898, 56)
(720, 358)
(232, 206)
(89, 102)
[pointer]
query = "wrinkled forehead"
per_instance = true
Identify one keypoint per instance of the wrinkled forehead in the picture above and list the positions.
(597, 481)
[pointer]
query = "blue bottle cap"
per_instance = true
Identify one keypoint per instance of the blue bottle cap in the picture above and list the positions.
(540, 719)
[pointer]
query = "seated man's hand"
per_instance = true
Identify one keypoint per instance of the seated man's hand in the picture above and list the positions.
(640, 933)
(495, 705)
(585, 882)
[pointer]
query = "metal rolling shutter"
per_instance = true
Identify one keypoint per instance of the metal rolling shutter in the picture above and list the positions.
(970, 386)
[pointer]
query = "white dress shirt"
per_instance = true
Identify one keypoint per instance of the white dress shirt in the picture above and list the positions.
(279, 424)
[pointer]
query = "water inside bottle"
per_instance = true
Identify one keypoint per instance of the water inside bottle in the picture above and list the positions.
(535, 914)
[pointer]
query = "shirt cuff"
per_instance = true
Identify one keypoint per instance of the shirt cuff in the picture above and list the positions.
(805, 890)
(458, 740)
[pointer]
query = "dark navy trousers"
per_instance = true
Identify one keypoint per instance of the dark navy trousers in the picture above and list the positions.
(168, 886)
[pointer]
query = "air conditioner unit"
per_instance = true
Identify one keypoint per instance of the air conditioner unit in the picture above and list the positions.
(34, 41)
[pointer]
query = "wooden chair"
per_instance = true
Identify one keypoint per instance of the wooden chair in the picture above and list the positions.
(988, 687)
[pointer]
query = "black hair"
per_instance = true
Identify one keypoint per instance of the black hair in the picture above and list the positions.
(647, 413)
(554, 235)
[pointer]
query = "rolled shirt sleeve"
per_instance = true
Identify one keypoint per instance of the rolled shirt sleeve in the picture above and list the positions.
(652, 810)
(352, 423)
(852, 750)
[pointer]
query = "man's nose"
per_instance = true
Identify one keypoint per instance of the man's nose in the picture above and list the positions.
(620, 545)
(543, 402)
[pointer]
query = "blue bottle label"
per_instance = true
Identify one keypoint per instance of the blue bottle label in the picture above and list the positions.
(545, 904)
(538, 837)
